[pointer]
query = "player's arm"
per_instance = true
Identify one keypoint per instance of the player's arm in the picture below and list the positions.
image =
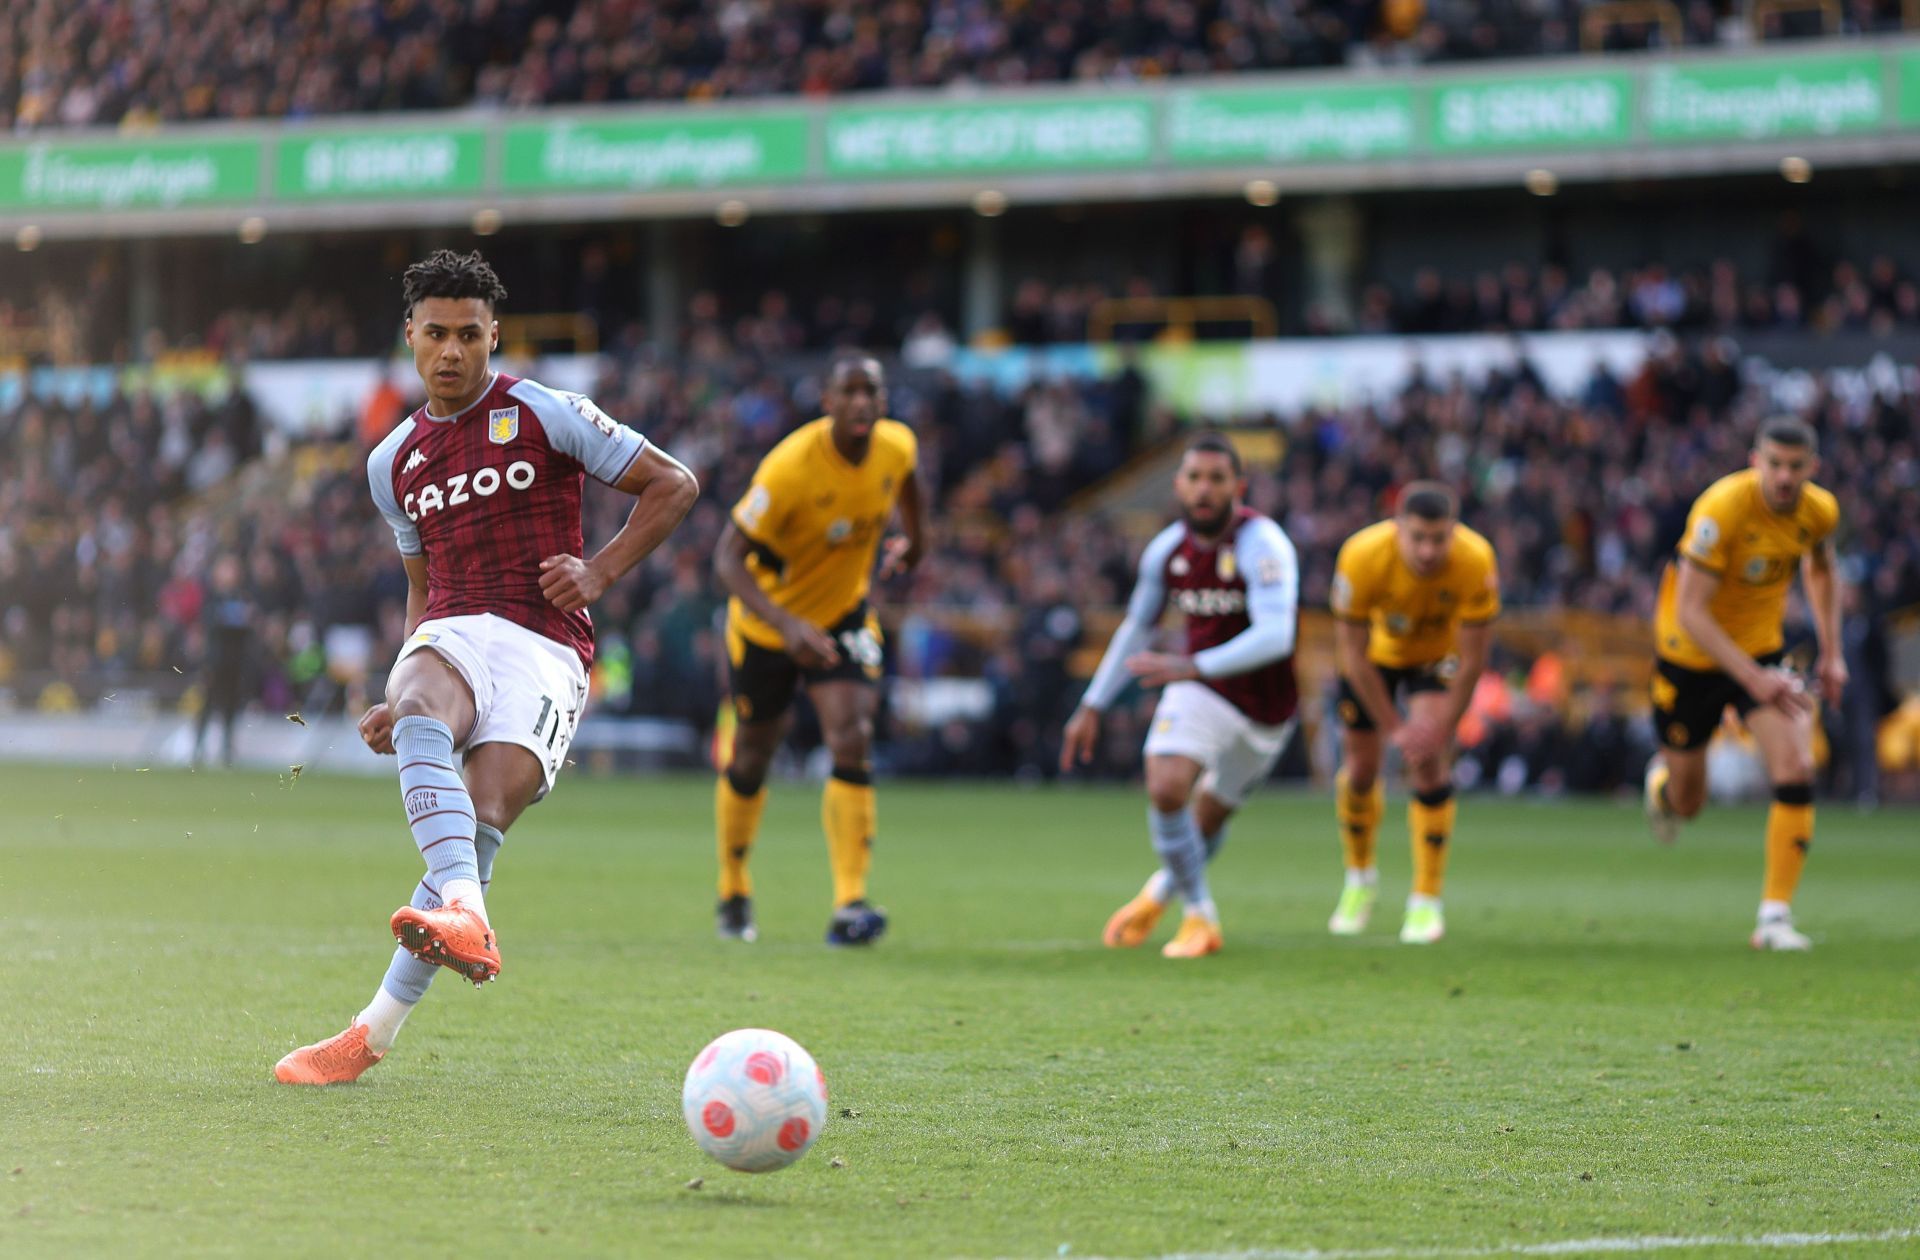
(1694, 589)
(1134, 633)
(1823, 597)
(376, 724)
(1472, 644)
(1473, 640)
(663, 493)
(1363, 676)
(1272, 572)
(416, 567)
(805, 642)
(904, 551)
(1352, 602)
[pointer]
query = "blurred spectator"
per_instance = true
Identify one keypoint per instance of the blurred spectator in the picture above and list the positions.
(134, 64)
(228, 614)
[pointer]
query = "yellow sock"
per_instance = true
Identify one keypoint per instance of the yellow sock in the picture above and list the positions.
(1430, 822)
(1789, 836)
(846, 815)
(1359, 817)
(737, 822)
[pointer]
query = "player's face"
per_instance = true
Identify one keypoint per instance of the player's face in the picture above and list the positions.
(452, 339)
(1207, 489)
(856, 398)
(1784, 473)
(1424, 543)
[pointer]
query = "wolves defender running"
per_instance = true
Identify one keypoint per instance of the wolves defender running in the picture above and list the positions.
(1415, 596)
(1228, 707)
(797, 558)
(482, 489)
(1718, 637)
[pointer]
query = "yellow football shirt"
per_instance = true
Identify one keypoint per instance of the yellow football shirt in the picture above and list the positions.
(1413, 619)
(1733, 534)
(813, 522)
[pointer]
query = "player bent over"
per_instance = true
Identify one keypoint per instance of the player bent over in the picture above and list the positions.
(797, 558)
(482, 489)
(1415, 596)
(1718, 638)
(1228, 705)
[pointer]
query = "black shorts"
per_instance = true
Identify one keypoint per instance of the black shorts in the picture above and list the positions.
(763, 679)
(1687, 703)
(1409, 680)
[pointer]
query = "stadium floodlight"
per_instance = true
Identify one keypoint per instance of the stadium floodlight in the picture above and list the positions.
(1261, 192)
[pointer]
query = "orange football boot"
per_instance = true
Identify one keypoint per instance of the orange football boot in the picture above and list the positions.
(335, 1061)
(1198, 936)
(453, 937)
(1133, 923)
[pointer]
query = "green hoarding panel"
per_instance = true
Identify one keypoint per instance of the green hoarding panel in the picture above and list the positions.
(373, 164)
(1907, 110)
(1327, 123)
(1565, 111)
(1821, 94)
(160, 174)
(972, 139)
(691, 151)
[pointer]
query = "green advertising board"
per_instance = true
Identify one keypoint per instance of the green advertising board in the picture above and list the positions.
(1819, 94)
(1907, 110)
(1331, 123)
(157, 174)
(661, 151)
(373, 164)
(1562, 111)
(1089, 131)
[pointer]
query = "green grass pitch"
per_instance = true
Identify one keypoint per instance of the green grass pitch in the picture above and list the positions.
(1592, 1053)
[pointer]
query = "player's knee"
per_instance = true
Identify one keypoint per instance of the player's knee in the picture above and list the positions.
(746, 775)
(1686, 796)
(1167, 795)
(850, 742)
(1362, 774)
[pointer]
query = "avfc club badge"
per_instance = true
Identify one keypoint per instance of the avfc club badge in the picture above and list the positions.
(1226, 566)
(503, 425)
(838, 532)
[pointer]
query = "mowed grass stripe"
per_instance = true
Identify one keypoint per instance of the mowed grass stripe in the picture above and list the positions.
(1592, 1053)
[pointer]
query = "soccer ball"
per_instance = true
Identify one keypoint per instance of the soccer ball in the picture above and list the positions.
(754, 1100)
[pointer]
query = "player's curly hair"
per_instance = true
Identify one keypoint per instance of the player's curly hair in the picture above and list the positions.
(445, 274)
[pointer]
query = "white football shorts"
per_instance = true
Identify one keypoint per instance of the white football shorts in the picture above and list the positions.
(527, 689)
(1192, 720)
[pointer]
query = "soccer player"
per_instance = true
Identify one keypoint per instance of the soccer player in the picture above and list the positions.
(1228, 702)
(1415, 596)
(797, 559)
(1718, 639)
(482, 489)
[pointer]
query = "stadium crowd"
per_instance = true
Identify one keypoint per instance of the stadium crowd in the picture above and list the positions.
(1799, 290)
(113, 519)
(131, 64)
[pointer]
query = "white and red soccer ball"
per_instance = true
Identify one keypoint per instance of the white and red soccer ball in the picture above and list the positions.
(754, 1100)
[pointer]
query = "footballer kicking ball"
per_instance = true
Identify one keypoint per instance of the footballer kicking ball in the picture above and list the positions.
(754, 1100)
